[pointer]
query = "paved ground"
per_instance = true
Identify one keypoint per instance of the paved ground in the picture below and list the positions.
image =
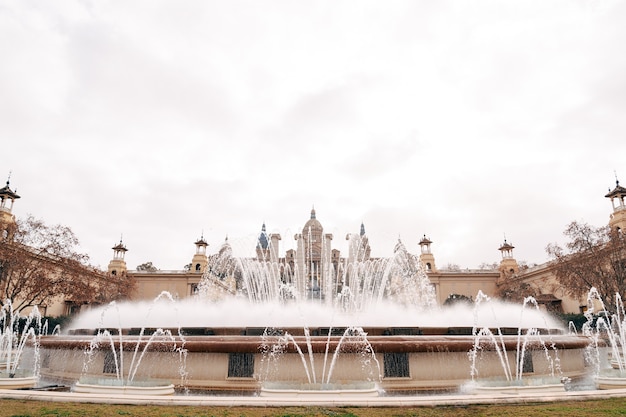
(317, 400)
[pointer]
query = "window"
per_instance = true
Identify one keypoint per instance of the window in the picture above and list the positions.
(396, 365)
(240, 365)
(110, 359)
(527, 362)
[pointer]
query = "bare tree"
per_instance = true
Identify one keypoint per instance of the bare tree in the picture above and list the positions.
(39, 263)
(593, 257)
(515, 289)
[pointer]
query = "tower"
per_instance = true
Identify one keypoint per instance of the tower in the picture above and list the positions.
(508, 264)
(117, 266)
(274, 243)
(359, 248)
(617, 221)
(7, 198)
(426, 256)
(313, 255)
(263, 245)
(200, 260)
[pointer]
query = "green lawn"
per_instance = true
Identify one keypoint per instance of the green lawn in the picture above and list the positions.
(608, 407)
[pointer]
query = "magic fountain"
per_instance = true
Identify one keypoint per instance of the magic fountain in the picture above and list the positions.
(19, 363)
(367, 328)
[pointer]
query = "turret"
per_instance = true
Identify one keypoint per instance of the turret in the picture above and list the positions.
(359, 248)
(7, 198)
(117, 266)
(199, 260)
(263, 245)
(426, 256)
(508, 264)
(617, 221)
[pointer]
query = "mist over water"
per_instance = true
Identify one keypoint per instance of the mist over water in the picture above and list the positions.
(240, 313)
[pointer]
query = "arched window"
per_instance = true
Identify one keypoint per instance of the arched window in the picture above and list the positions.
(198, 267)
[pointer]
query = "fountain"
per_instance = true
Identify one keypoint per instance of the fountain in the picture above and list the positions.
(112, 349)
(352, 339)
(364, 327)
(14, 335)
(608, 334)
(533, 348)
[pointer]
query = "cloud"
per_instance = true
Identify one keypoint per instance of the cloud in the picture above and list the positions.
(464, 121)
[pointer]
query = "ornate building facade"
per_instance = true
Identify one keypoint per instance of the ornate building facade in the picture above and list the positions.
(319, 264)
(316, 270)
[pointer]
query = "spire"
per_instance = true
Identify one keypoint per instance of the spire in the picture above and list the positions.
(507, 249)
(618, 201)
(6, 192)
(313, 213)
(425, 241)
(618, 191)
(201, 241)
(119, 248)
(263, 240)
(362, 233)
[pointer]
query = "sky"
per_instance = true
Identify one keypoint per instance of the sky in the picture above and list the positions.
(160, 122)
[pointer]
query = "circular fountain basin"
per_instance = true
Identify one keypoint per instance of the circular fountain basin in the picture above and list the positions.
(294, 389)
(113, 386)
(524, 386)
(18, 380)
(610, 379)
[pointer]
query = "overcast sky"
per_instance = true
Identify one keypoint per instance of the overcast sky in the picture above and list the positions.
(162, 121)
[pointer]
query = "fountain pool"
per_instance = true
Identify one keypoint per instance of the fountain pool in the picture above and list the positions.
(312, 328)
(239, 347)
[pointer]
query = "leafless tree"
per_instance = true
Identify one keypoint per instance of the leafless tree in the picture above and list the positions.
(593, 257)
(40, 263)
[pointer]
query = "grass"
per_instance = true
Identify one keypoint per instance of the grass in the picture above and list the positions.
(22, 408)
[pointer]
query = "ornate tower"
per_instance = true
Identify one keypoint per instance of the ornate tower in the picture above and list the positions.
(117, 266)
(617, 221)
(313, 255)
(426, 256)
(7, 198)
(263, 245)
(508, 264)
(359, 249)
(200, 260)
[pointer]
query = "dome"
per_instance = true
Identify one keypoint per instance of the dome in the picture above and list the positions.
(312, 225)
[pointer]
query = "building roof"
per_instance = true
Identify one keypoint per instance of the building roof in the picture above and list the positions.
(312, 225)
(120, 247)
(506, 246)
(6, 192)
(618, 191)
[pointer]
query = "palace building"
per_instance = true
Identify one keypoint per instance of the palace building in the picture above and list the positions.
(317, 260)
(316, 270)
